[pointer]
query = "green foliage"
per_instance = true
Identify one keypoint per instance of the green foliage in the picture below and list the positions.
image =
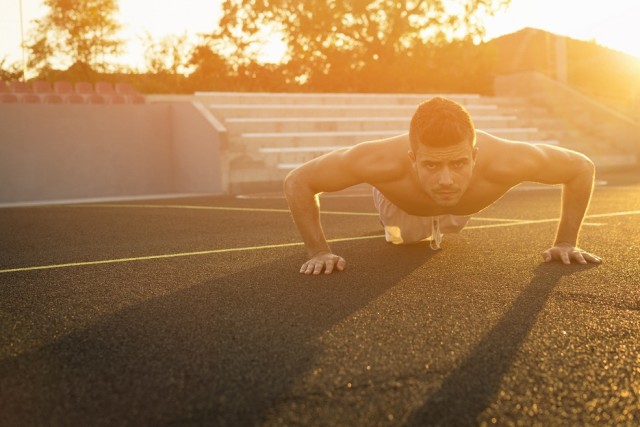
(75, 31)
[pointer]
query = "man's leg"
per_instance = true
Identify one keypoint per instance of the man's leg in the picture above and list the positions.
(402, 228)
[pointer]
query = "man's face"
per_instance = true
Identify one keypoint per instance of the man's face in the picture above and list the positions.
(444, 172)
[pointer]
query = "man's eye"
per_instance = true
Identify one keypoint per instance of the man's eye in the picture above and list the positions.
(430, 165)
(459, 164)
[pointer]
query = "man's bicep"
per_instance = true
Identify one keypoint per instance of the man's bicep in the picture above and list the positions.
(549, 164)
(331, 172)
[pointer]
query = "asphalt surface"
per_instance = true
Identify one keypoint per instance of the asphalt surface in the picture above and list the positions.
(168, 312)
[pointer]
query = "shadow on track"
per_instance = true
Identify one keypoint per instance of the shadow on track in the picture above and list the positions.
(472, 387)
(223, 351)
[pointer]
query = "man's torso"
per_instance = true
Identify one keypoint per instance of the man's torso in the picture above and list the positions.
(492, 177)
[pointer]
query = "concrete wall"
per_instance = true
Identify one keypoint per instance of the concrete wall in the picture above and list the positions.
(53, 152)
(615, 134)
(199, 142)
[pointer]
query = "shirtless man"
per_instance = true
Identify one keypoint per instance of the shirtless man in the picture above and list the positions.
(432, 179)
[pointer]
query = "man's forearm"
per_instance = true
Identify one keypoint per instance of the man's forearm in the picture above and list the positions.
(305, 211)
(576, 195)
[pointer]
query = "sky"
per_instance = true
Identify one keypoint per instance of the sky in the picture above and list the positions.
(613, 23)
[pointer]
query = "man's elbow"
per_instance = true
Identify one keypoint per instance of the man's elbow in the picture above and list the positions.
(583, 170)
(588, 167)
(294, 182)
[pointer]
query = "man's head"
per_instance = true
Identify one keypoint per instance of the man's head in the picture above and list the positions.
(443, 149)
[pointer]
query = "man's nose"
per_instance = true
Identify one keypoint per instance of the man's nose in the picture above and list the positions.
(445, 177)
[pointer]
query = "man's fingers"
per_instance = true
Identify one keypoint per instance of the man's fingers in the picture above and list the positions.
(565, 258)
(546, 256)
(592, 258)
(318, 268)
(327, 263)
(578, 256)
(328, 267)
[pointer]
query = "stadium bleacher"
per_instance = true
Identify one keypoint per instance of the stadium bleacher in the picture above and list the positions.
(64, 92)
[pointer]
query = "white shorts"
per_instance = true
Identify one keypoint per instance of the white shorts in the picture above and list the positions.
(402, 228)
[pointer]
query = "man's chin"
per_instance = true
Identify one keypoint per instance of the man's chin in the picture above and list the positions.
(446, 201)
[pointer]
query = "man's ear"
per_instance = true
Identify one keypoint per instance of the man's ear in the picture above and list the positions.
(474, 154)
(412, 156)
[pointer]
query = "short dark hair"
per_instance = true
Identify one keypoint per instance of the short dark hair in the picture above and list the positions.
(440, 122)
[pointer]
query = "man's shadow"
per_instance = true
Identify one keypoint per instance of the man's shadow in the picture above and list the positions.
(473, 386)
(223, 351)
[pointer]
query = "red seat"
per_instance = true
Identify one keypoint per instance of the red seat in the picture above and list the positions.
(30, 98)
(84, 88)
(124, 88)
(73, 98)
(8, 98)
(41, 86)
(63, 87)
(104, 88)
(116, 99)
(19, 87)
(136, 99)
(95, 99)
(52, 98)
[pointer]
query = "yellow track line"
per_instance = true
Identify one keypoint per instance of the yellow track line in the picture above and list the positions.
(178, 255)
(233, 208)
(283, 245)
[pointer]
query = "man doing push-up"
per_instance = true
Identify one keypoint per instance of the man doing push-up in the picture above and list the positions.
(430, 181)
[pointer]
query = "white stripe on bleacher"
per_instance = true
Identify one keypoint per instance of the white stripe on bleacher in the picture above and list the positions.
(362, 133)
(328, 134)
(338, 95)
(342, 119)
(279, 150)
(336, 106)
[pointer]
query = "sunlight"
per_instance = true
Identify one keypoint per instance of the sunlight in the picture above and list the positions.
(272, 50)
(612, 24)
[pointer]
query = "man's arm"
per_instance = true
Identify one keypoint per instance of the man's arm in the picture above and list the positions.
(332, 172)
(576, 172)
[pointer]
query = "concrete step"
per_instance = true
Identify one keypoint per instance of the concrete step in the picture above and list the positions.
(239, 125)
(331, 98)
(226, 111)
(345, 138)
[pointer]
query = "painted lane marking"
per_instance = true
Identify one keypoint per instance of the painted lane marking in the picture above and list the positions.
(178, 255)
(284, 245)
(232, 208)
(214, 208)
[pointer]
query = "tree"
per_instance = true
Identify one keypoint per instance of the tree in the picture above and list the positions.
(170, 54)
(8, 71)
(75, 31)
(331, 39)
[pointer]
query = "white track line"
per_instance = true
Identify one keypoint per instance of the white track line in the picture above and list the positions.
(285, 245)
(232, 208)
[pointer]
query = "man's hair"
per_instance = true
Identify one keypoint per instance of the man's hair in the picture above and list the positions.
(440, 122)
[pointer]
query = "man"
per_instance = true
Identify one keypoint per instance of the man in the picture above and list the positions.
(431, 180)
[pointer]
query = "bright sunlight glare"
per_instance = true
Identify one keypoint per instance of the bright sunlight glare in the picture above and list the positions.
(612, 23)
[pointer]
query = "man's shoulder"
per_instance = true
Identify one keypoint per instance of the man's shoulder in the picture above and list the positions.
(503, 160)
(383, 158)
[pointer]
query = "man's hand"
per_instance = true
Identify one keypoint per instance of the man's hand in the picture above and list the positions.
(565, 253)
(323, 261)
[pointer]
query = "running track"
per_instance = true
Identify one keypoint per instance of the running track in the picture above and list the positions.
(191, 311)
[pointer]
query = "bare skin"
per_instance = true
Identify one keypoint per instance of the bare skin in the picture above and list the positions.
(458, 179)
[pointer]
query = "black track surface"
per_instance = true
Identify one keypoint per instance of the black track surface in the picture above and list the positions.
(481, 332)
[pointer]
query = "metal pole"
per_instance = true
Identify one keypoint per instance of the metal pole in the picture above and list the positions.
(24, 55)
